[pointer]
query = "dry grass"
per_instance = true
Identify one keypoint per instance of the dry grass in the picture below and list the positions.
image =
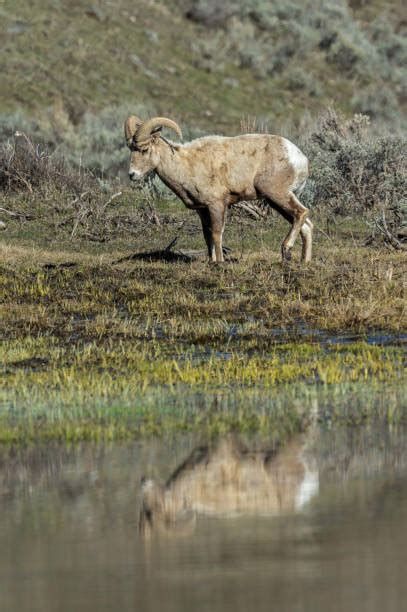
(344, 289)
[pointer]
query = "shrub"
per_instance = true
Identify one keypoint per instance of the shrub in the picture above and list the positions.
(376, 102)
(352, 54)
(28, 167)
(38, 184)
(298, 79)
(98, 142)
(212, 13)
(356, 173)
(271, 37)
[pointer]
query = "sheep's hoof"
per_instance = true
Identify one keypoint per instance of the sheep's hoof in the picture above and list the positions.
(286, 254)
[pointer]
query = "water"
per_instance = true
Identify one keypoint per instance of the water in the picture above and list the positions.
(337, 539)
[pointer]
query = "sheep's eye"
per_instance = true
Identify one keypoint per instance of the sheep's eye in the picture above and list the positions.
(133, 147)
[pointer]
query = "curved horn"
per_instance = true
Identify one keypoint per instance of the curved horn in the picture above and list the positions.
(144, 132)
(131, 125)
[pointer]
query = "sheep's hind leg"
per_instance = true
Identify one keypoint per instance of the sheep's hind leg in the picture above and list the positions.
(299, 213)
(291, 209)
(306, 236)
(295, 213)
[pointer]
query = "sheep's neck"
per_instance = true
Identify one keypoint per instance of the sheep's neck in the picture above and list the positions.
(174, 172)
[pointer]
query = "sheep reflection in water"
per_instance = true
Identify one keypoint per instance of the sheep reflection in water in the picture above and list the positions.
(228, 479)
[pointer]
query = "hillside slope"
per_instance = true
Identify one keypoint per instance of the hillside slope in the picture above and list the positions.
(207, 64)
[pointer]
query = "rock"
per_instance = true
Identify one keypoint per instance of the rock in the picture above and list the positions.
(152, 36)
(96, 13)
(18, 27)
(231, 82)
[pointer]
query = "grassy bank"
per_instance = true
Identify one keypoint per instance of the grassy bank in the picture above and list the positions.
(97, 349)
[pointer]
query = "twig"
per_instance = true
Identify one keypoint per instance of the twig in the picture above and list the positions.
(250, 210)
(28, 141)
(110, 200)
(11, 213)
(82, 195)
(254, 210)
(324, 234)
(78, 220)
(172, 243)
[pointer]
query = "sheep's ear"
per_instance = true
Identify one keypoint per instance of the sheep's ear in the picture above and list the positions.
(131, 125)
(155, 135)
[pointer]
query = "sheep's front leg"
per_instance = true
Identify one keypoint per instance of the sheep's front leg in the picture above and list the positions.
(207, 231)
(217, 240)
(218, 217)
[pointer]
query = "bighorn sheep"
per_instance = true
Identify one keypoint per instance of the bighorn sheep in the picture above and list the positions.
(210, 173)
(228, 480)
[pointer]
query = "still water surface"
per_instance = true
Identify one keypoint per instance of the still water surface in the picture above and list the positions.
(337, 540)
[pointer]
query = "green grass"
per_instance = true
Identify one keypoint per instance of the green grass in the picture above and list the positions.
(101, 349)
(73, 414)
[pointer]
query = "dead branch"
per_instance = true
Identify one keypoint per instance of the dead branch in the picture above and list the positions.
(256, 211)
(392, 240)
(79, 197)
(110, 200)
(172, 243)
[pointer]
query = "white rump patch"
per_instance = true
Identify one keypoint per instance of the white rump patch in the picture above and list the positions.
(299, 162)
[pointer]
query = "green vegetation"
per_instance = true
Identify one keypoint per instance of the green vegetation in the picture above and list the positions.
(107, 382)
(326, 37)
